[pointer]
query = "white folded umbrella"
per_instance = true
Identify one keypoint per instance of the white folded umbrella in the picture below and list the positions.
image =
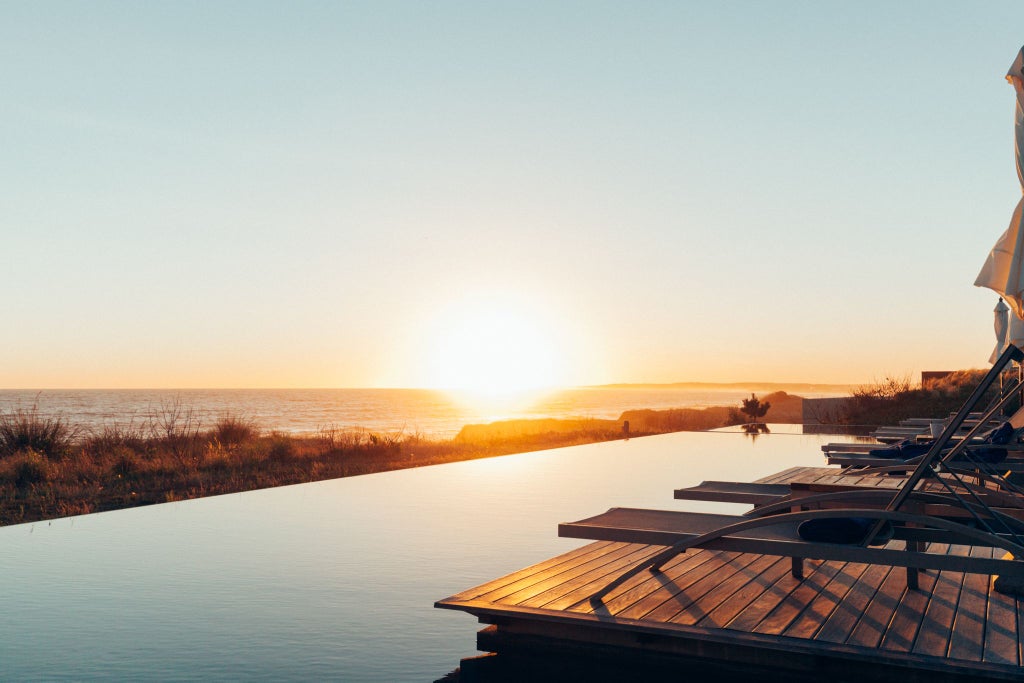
(1004, 268)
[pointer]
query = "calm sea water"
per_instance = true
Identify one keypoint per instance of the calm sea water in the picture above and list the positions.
(425, 411)
(332, 580)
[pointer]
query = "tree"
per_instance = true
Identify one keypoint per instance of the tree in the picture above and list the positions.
(754, 409)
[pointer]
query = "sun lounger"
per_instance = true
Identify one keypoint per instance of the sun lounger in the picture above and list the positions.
(891, 433)
(1016, 421)
(734, 492)
(767, 498)
(1012, 465)
(1014, 450)
(999, 447)
(779, 534)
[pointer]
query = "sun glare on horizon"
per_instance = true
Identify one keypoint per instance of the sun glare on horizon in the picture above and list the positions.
(494, 353)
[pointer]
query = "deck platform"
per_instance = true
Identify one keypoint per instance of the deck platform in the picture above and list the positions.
(730, 615)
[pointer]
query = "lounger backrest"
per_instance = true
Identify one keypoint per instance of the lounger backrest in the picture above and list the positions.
(1012, 353)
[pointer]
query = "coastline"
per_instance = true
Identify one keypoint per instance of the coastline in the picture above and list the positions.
(121, 468)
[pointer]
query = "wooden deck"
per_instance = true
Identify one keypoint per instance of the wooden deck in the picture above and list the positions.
(724, 613)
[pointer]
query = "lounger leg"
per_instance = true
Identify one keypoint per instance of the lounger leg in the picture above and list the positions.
(798, 568)
(912, 572)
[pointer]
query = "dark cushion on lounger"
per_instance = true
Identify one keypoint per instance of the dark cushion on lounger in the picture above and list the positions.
(1001, 435)
(901, 450)
(843, 530)
(908, 448)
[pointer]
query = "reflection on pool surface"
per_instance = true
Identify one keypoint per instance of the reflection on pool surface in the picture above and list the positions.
(333, 580)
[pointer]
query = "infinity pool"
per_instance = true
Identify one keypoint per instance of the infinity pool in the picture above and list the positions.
(332, 580)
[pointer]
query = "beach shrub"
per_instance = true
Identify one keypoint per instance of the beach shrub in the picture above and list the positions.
(123, 464)
(232, 431)
(328, 438)
(23, 430)
(755, 409)
(217, 457)
(887, 401)
(113, 437)
(175, 421)
(282, 449)
(27, 468)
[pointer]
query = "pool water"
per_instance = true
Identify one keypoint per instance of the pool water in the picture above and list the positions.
(333, 580)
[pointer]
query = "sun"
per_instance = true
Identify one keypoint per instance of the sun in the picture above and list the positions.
(494, 351)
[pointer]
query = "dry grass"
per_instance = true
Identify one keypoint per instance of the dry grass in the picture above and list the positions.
(27, 430)
(172, 458)
(50, 469)
(892, 399)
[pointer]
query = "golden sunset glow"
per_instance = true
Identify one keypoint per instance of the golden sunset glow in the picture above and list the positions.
(494, 353)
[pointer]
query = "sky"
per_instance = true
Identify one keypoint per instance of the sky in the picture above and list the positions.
(404, 194)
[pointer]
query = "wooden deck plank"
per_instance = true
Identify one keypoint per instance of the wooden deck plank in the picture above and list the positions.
(565, 559)
(712, 587)
(539, 594)
(934, 635)
(670, 587)
(906, 622)
(525, 583)
(720, 615)
(1001, 644)
(645, 584)
(581, 588)
(778, 477)
(785, 476)
(967, 633)
(788, 610)
(814, 475)
(840, 624)
(876, 617)
(769, 598)
(821, 607)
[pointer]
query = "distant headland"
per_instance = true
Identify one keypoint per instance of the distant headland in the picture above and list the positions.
(788, 387)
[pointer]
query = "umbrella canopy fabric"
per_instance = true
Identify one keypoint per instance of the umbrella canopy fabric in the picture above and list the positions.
(1004, 268)
(1002, 328)
(1016, 333)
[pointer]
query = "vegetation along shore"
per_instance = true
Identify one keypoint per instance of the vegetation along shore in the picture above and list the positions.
(50, 468)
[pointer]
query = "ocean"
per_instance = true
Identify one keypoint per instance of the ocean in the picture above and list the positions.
(426, 412)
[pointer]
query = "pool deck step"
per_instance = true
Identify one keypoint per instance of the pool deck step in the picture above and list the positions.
(725, 613)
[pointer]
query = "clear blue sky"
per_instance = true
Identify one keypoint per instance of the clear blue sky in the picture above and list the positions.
(312, 193)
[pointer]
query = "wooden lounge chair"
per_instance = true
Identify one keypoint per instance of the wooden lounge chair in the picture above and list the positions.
(735, 492)
(967, 453)
(761, 495)
(778, 534)
(1013, 446)
(1013, 464)
(918, 429)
